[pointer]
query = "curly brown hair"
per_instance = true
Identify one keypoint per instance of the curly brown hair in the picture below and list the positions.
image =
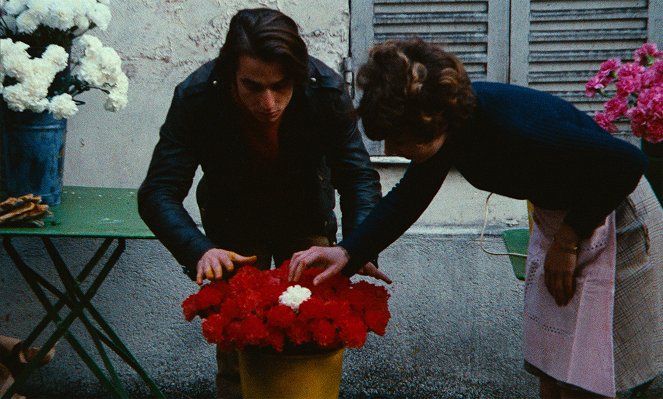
(413, 90)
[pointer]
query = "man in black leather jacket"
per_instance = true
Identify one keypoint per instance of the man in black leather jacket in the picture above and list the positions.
(274, 132)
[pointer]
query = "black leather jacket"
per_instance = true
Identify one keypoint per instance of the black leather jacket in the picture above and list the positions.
(320, 148)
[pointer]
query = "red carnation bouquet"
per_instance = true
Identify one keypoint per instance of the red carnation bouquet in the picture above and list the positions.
(261, 308)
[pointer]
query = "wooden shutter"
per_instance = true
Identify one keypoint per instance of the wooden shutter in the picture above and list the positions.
(557, 46)
(475, 30)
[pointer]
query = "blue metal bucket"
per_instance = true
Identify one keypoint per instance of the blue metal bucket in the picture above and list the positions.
(33, 155)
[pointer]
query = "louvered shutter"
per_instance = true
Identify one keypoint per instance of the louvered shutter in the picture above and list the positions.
(556, 46)
(474, 30)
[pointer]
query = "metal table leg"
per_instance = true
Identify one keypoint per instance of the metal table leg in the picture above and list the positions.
(77, 301)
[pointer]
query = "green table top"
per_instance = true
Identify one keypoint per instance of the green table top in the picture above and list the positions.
(91, 212)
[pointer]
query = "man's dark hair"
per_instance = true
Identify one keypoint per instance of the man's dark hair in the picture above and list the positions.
(268, 35)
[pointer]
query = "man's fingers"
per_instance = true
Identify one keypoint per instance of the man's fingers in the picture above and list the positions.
(245, 260)
(225, 263)
(209, 273)
(241, 259)
(199, 276)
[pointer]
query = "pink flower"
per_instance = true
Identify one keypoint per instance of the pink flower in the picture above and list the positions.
(615, 108)
(604, 77)
(600, 81)
(594, 85)
(605, 122)
(653, 75)
(647, 115)
(646, 53)
(629, 79)
(611, 65)
(639, 95)
(638, 119)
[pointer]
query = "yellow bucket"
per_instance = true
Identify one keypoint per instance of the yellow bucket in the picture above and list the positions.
(273, 375)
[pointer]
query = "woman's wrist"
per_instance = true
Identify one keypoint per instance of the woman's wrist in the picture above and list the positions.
(568, 247)
(566, 239)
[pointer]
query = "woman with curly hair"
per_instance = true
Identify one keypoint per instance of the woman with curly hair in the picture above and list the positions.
(597, 237)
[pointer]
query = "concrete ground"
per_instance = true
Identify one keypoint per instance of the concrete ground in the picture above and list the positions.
(455, 330)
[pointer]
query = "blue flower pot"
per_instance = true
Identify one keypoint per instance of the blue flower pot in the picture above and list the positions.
(32, 154)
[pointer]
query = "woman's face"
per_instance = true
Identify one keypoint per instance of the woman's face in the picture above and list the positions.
(412, 150)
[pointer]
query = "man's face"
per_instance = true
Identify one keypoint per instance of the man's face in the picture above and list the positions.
(262, 89)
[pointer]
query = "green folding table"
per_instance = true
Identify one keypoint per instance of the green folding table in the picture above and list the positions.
(84, 213)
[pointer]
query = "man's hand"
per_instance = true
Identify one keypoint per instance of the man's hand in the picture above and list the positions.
(369, 269)
(560, 265)
(333, 259)
(214, 261)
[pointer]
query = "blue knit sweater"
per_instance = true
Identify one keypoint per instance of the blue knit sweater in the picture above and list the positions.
(520, 143)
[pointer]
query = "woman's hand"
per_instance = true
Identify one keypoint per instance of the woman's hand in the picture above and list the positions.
(333, 259)
(560, 265)
(214, 261)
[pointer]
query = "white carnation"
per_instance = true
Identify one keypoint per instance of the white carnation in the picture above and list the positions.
(118, 96)
(61, 15)
(14, 58)
(94, 64)
(294, 296)
(82, 23)
(15, 7)
(28, 21)
(57, 56)
(89, 71)
(116, 101)
(100, 15)
(90, 44)
(20, 97)
(102, 67)
(39, 7)
(34, 75)
(62, 106)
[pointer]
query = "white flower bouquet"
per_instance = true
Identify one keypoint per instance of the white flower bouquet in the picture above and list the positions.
(47, 57)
